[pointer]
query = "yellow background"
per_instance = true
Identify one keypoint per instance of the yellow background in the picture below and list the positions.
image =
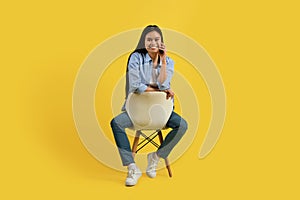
(255, 46)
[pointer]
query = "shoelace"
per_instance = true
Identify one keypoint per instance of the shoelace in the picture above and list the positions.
(153, 163)
(131, 173)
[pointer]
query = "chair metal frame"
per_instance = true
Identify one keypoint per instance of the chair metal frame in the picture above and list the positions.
(136, 146)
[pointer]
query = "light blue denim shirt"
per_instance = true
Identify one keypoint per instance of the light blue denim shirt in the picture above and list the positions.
(140, 73)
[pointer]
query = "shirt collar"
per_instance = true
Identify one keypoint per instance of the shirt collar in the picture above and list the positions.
(148, 59)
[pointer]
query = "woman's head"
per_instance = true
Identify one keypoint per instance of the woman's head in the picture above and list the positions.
(150, 39)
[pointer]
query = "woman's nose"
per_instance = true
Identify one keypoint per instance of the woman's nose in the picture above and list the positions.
(153, 43)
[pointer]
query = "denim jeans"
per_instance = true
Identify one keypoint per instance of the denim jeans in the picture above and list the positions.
(122, 121)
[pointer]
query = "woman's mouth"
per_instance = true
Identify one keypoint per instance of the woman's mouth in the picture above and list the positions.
(153, 48)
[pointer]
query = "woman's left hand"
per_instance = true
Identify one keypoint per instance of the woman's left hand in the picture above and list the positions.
(170, 94)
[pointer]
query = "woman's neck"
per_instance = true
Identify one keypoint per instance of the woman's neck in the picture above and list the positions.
(155, 59)
(153, 56)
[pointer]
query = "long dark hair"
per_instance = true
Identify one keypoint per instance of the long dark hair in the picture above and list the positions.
(140, 48)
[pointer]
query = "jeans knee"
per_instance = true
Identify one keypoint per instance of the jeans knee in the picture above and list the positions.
(183, 125)
(113, 123)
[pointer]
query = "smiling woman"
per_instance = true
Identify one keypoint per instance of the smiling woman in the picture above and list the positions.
(148, 70)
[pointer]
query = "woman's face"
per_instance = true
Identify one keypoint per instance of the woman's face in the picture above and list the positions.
(152, 41)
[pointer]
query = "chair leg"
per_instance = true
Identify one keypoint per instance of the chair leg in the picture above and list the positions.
(135, 142)
(166, 160)
(168, 167)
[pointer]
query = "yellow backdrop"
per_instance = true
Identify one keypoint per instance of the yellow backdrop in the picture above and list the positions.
(253, 43)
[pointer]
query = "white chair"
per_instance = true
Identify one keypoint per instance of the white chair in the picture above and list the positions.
(149, 111)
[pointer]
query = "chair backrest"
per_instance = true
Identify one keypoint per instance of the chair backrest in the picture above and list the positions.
(149, 110)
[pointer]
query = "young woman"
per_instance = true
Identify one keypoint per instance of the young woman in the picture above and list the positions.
(148, 69)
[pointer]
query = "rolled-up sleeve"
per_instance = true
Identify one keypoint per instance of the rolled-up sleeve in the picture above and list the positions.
(135, 83)
(170, 71)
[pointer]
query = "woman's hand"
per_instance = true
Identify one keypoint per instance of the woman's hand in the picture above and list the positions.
(162, 51)
(170, 94)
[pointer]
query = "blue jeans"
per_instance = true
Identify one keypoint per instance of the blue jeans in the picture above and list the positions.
(122, 121)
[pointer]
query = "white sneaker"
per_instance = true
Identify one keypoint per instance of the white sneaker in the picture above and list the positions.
(133, 176)
(152, 164)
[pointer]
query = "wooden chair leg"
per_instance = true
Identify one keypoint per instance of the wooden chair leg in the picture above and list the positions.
(168, 167)
(135, 142)
(166, 160)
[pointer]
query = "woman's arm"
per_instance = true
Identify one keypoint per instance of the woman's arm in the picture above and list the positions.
(163, 70)
(135, 84)
(151, 89)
